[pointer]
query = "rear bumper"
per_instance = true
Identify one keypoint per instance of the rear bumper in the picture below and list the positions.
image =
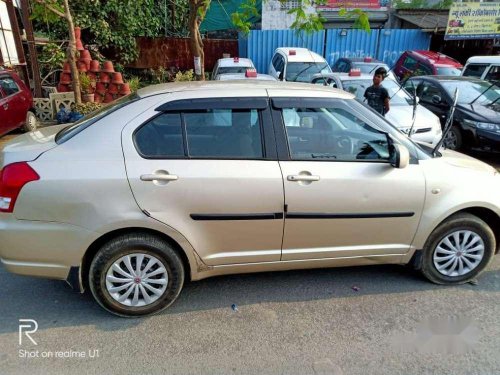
(42, 249)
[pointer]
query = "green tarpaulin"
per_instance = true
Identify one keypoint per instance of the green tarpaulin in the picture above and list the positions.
(218, 16)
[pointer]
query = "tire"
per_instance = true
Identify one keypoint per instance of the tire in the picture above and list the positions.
(462, 224)
(31, 123)
(454, 139)
(129, 248)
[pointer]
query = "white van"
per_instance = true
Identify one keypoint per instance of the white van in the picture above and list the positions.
(296, 64)
(484, 67)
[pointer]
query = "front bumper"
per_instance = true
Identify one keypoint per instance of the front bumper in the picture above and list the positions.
(42, 249)
(487, 140)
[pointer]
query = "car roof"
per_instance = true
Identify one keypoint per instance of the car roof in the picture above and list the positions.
(436, 58)
(237, 76)
(448, 78)
(230, 61)
(362, 60)
(301, 54)
(248, 85)
(484, 59)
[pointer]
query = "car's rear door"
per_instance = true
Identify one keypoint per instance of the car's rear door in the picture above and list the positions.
(6, 122)
(208, 168)
(342, 196)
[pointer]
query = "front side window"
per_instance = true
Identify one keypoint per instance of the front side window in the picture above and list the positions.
(8, 85)
(493, 74)
(410, 63)
(475, 70)
(223, 134)
(427, 91)
(332, 134)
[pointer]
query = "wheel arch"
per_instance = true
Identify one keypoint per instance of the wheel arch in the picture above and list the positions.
(99, 242)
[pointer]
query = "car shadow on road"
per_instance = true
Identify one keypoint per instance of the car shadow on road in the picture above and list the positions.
(54, 305)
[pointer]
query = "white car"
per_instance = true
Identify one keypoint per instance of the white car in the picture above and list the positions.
(296, 64)
(484, 67)
(427, 126)
(231, 65)
(251, 74)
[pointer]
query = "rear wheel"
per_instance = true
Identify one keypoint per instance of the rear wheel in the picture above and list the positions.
(136, 275)
(31, 123)
(458, 250)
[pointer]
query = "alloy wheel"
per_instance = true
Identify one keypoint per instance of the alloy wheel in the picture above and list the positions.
(458, 253)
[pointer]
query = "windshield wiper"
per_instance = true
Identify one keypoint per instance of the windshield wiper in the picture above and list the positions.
(484, 92)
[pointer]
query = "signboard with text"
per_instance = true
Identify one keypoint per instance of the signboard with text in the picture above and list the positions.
(473, 21)
(333, 5)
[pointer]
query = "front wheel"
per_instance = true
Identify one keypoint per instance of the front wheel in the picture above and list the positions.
(453, 139)
(31, 123)
(458, 250)
(136, 275)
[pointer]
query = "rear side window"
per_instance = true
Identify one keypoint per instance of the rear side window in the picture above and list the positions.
(475, 70)
(8, 85)
(200, 134)
(493, 74)
(161, 137)
(224, 134)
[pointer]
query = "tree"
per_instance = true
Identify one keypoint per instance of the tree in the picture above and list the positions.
(305, 20)
(65, 13)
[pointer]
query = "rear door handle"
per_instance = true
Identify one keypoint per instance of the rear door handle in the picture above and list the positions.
(159, 177)
(302, 177)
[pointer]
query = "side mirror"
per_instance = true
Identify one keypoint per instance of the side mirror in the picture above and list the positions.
(436, 99)
(399, 156)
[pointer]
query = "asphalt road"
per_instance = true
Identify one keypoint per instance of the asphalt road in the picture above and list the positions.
(300, 322)
(345, 321)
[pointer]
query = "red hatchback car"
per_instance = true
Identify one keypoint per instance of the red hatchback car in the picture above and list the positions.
(424, 63)
(16, 104)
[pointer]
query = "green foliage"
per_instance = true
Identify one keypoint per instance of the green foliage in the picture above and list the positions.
(85, 82)
(51, 57)
(241, 19)
(159, 75)
(134, 83)
(86, 108)
(111, 24)
(188, 75)
(445, 4)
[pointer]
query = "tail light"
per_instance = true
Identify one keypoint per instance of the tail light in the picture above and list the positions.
(12, 179)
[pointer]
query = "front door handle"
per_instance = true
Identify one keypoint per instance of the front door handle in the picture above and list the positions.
(159, 177)
(302, 177)
(6, 106)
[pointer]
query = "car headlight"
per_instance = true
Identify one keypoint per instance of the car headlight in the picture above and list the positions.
(483, 125)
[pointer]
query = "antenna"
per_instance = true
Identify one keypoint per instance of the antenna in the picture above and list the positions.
(449, 123)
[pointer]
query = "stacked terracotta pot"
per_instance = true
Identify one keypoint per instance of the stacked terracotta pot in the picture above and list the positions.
(106, 84)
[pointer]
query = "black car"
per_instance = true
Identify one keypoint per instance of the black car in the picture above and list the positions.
(367, 65)
(476, 123)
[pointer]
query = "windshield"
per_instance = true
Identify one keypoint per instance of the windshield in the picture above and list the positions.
(233, 69)
(468, 91)
(89, 119)
(358, 87)
(447, 71)
(303, 71)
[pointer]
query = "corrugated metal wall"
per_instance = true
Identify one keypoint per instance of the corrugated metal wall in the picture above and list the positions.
(392, 43)
(356, 43)
(260, 44)
(386, 45)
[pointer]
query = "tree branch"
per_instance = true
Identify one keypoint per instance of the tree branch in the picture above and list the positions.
(51, 8)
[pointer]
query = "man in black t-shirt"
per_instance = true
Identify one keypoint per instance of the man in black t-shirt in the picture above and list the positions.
(376, 95)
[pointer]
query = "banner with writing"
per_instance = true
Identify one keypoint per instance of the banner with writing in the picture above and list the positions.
(473, 21)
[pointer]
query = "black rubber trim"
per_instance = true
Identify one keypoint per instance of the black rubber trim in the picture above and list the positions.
(215, 217)
(214, 103)
(319, 215)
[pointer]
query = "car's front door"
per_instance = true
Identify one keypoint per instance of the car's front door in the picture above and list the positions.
(208, 169)
(12, 104)
(343, 198)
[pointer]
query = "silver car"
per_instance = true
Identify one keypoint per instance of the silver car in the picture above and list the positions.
(185, 181)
